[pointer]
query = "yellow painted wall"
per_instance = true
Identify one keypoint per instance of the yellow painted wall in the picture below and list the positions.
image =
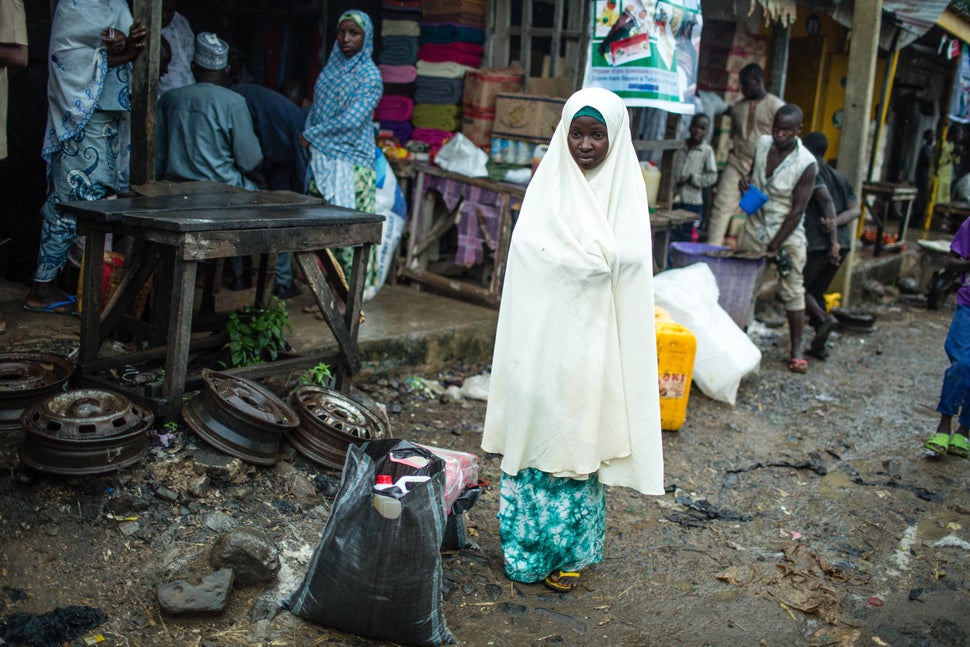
(817, 66)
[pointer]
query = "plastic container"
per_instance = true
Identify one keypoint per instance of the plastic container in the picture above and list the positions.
(676, 349)
(651, 177)
(832, 300)
(537, 154)
(752, 200)
(661, 315)
(736, 277)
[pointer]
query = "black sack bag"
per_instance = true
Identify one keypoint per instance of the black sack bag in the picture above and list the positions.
(376, 576)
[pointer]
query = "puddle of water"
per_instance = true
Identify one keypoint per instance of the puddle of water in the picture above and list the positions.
(833, 482)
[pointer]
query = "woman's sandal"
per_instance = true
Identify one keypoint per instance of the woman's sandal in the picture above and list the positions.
(959, 446)
(938, 443)
(798, 365)
(565, 581)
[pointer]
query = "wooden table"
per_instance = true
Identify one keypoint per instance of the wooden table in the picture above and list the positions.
(950, 216)
(469, 198)
(174, 233)
(889, 199)
(662, 221)
(489, 209)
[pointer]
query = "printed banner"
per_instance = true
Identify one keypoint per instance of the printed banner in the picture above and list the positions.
(960, 101)
(646, 51)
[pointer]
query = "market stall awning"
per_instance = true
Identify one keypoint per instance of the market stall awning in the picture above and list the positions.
(912, 17)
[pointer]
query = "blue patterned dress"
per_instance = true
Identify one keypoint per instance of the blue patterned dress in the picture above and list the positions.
(86, 144)
(340, 130)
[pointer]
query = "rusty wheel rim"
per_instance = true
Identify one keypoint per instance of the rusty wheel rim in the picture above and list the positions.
(239, 417)
(330, 422)
(84, 431)
(25, 380)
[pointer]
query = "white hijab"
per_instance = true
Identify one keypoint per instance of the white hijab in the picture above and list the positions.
(574, 373)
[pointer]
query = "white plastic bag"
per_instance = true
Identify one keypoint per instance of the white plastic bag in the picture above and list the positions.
(391, 204)
(461, 155)
(724, 353)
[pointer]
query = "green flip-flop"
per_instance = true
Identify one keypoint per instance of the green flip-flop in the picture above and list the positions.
(959, 446)
(938, 443)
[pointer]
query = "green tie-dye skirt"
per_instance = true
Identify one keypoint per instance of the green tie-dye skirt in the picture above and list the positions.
(549, 523)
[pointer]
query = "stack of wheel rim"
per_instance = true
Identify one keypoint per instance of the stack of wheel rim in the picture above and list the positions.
(239, 417)
(26, 379)
(330, 422)
(84, 431)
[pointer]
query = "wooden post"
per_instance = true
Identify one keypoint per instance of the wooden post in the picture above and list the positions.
(780, 39)
(887, 91)
(144, 94)
(863, 50)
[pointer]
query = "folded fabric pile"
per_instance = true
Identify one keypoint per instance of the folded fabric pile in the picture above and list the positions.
(465, 53)
(450, 43)
(470, 13)
(394, 108)
(434, 115)
(400, 35)
(435, 89)
(433, 137)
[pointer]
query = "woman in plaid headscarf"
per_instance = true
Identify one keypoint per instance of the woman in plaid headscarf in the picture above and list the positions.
(339, 129)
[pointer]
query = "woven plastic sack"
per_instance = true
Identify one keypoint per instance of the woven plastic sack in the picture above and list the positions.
(376, 576)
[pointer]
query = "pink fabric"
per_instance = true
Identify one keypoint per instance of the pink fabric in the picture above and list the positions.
(477, 204)
(431, 136)
(464, 53)
(398, 73)
(394, 108)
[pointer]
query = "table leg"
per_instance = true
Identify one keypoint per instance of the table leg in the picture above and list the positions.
(904, 220)
(264, 288)
(880, 228)
(502, 246)
(323, 294)
(91, 296)
(180, 335)
(661, 245)
(162, 305)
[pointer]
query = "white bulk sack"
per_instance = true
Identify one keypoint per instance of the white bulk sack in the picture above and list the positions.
(724, 353)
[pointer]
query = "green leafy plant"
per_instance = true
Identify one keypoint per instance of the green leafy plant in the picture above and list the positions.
(319, 375)
(256, 335)
(171, 426)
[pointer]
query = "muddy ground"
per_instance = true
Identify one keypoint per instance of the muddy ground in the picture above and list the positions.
(806, 515)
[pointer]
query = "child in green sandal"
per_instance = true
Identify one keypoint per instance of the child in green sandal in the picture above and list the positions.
(955, 394)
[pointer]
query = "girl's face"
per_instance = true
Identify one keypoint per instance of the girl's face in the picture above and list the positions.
(350, 38)
(588, 141)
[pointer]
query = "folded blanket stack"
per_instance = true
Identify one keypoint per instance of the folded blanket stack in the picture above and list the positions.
(400, 36)
(452, 33)
(470, 13)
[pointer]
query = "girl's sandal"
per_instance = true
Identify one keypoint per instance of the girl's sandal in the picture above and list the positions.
(565, 581)
(959, 446)
(938, 443)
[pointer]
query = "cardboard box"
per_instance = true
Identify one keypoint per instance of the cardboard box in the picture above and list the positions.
(550, 87)
(526, 117)
(481, 86)
(477, 126)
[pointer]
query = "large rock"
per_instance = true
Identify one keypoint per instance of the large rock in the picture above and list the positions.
(218, 466)
(250, 554)
(209, 596)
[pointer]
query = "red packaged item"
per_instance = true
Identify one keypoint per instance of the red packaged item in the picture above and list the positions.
(461, 472)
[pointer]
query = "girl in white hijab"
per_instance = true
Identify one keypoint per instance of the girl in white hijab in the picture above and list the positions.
(574, 402)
